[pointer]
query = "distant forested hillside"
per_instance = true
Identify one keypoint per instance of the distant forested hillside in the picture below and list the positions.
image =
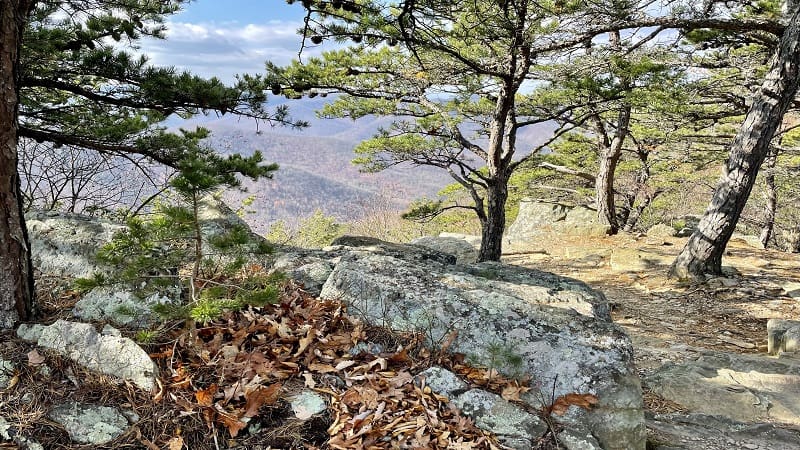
(316, 171)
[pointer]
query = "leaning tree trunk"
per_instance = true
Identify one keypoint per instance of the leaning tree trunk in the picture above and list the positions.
(771, 208)
(493, 226)
(703, 252)
(16, 276)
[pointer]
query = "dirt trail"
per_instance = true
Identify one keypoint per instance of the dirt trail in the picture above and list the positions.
(670, 320)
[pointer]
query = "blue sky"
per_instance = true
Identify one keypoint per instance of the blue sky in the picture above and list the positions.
(224, 37)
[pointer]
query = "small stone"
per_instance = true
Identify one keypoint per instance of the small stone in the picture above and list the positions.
(441, 381)
(111, 355)
(366, 347)
(494, 414)
(307, 403)
(90, 424)
(5, 429)
(6, 371)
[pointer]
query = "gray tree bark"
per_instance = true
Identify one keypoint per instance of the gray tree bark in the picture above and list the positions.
(16, 275)
(703, 252)
(771, 208)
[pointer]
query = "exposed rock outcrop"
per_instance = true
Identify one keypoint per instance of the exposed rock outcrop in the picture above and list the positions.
(65, 245)
(743, 388)
(517, 320)
(464, 251)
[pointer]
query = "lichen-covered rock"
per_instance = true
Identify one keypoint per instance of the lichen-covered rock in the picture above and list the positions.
(460, 248)
(109, 354)
(5, 427)
(6, 370)
(441, 381)
(119, 306)
(514, 426)
(744, 388)
(217, 218)
(700, 431)
(307, 403)
(90, 424)
(578, 439)
(517, 320)
(306, 268)
(65, 245)
(399, 251)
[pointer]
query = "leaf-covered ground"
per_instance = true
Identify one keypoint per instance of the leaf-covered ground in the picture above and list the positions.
(229, 384)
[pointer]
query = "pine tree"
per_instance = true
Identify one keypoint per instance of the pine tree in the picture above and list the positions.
(67, 80)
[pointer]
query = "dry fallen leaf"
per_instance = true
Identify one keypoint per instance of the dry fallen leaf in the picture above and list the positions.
(309, 380)
(562, 404)
(305, 342)
(261, 396)
(34, 358)
(205, 397)
(232, 423)
(175, 443)
(512, 392)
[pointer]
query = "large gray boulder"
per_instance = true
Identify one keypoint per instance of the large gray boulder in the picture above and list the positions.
(65, 245)
(743, 388)
(536, 217)
(518, 321)
(106, 353)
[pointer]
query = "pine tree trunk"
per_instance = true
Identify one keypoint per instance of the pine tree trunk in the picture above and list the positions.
(703, 252)
(771, 208)
(604, 183)
(16, 275)
(493, 226)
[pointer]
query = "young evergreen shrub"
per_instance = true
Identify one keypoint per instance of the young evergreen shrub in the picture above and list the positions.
(170, 249)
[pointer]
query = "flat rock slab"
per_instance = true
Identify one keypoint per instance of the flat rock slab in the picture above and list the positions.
(516, 320)
(463, 251)
(744, 388)
(105, 353)
(90, 424)
(703, 432)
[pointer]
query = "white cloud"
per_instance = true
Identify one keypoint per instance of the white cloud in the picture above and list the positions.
(224, 49)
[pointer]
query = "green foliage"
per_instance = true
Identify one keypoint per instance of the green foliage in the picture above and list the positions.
(146, 336)
(84, 285)
(314, 231)
(67, 68)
